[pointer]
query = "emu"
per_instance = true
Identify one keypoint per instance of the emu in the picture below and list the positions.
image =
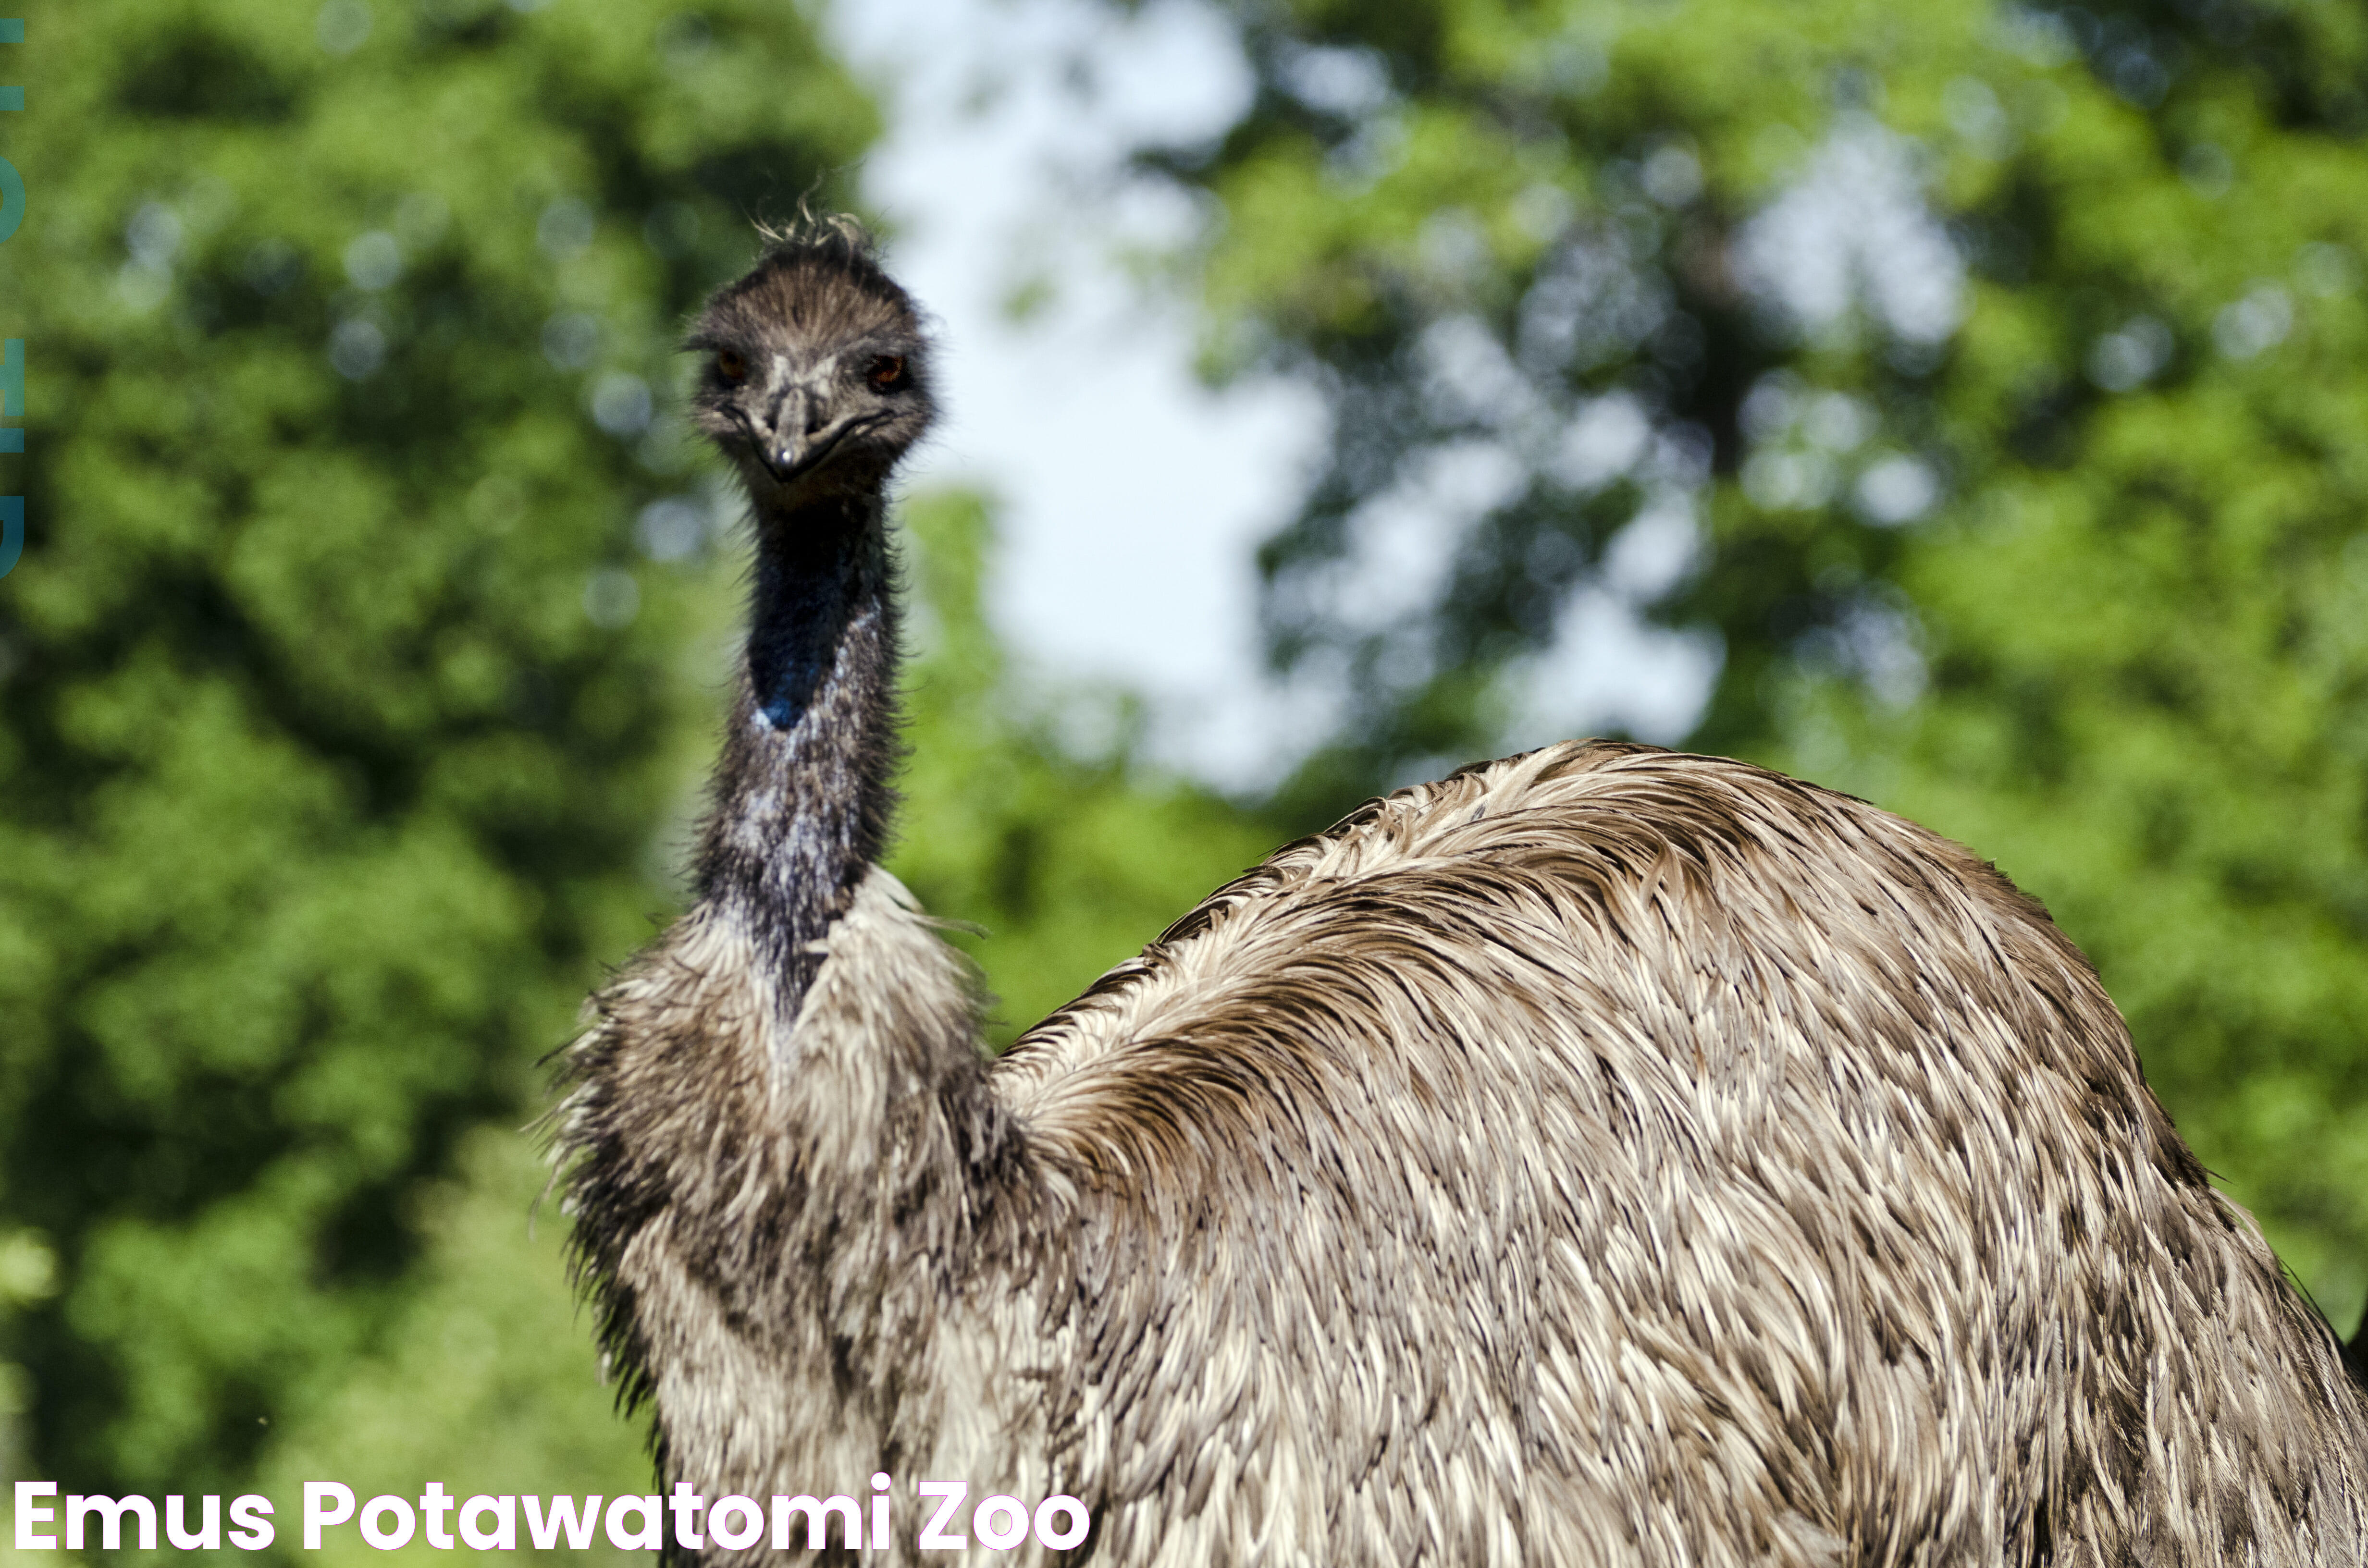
(1600, 1157)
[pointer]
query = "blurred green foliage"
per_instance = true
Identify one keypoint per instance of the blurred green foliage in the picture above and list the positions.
(2076, 572)
(338, 703)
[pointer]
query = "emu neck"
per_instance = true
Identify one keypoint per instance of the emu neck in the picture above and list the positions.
(802, 797)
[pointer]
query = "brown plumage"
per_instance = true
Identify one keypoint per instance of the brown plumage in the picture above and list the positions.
(1600, 1157)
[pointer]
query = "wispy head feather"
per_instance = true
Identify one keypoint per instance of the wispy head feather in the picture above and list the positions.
(811, 231)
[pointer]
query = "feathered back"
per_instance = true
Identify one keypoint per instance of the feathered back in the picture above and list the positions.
(1609, 1155)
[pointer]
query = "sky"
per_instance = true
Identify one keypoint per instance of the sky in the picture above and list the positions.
(1133, 496)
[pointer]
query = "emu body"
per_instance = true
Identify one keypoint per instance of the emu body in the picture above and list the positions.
(1603, 1156)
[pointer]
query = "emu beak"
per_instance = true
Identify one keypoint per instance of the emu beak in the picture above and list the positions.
(794, 444)
(802, 440)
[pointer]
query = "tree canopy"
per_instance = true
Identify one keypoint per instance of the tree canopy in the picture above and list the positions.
(343, 690)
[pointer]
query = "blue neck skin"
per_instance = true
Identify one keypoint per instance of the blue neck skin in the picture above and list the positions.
(802, 609)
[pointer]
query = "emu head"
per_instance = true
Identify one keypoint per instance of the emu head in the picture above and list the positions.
(815, 375)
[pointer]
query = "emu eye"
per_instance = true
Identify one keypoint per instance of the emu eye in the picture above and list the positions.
(886, 372)
(730, 365)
